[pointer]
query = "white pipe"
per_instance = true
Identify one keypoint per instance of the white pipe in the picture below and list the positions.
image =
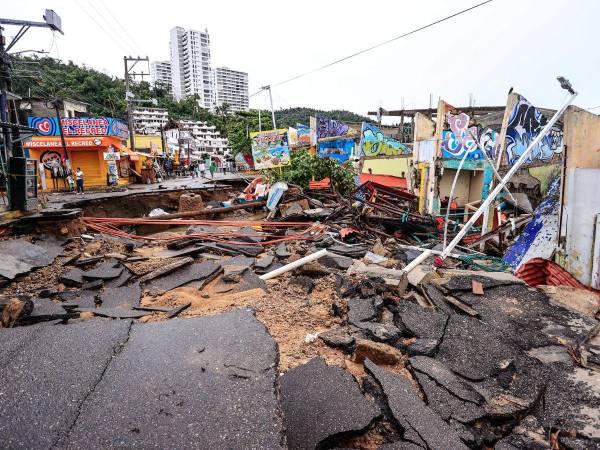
(484, 206)
(295, 264)
(422, 249)
(418, 260)
(462, 161)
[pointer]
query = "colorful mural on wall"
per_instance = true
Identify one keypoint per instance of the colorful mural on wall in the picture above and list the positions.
(303, 134)
(270, 149)
(524, 125)
(539, 238)
(338, 149)
(331, 128)
(463, 138)
(374, 143)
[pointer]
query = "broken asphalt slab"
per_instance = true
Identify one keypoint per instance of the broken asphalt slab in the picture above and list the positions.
(203, 382)
(182, 276)
(46, 374)
(321, 403)
(122, 297)
(411, 414)
(108, 270)
(18, 256)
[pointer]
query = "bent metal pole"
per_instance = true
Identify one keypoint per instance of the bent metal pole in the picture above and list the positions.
(565, 84)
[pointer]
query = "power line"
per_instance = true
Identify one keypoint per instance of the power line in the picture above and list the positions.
(373, 47)
(102, 27)
(123, 28)
(110, 25)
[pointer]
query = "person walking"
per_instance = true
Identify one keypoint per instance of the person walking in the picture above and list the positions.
(202, 168)
(212, 168)
(79, 179)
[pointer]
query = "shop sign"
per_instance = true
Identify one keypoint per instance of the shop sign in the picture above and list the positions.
(79, 126)
(111, 156)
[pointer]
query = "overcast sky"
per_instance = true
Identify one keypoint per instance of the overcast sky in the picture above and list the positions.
(523, 44)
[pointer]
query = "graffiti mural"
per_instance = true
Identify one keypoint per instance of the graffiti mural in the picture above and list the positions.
(339, 149)
(463, 138)
(374, 143)
(331, 128)
(524, 125)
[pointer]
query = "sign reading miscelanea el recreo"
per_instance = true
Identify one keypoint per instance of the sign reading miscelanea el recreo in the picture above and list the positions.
(79, 126)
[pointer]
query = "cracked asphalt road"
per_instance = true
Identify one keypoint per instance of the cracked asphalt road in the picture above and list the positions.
(203, 382)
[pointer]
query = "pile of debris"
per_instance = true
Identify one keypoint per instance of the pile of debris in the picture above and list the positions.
(376, 348)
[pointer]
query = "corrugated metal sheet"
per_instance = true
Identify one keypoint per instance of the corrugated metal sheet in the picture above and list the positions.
(539, 271)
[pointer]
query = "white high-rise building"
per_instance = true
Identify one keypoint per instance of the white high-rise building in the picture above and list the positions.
(190, 66)
(231, 87)
(149, 120)
(160, 75)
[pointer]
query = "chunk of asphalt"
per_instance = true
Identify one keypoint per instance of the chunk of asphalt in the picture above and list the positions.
(410, 412)
(361, 310)
(105, 271)
(423, 347)
(422, 322)
(248, 250)
(306, 283)
(445, 404)
(188, 251)
(45, 309)
(121, 297)
(282, 251)
(379, 332)
(46, 374)
(320, 402)
(91, 285)
(248, 281)
(19, 256)
(240, 260)
(264, 262)
(83, 298)
(444, 376)
(437, 298)
(121, 280)
(473, 349)
(334, 261)
(401, 445)
(72, 278)
(151, 393)
(338, 338)
(116, 313)
(182, 276)
(465, 282)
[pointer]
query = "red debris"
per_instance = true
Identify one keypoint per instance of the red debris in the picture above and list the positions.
(323, 184)
(347, 231)
(539, 271)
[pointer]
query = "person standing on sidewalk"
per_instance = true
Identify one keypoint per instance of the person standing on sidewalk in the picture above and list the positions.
(212, 168)
(79, 179)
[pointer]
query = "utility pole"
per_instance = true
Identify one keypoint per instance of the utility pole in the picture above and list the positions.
(268, 88)
(128, 95)
(17, 164)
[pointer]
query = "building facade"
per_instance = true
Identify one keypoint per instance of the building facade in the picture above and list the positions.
(203, 138)
(160, 75)
(190, 66)
(231, 87)
(149, 120)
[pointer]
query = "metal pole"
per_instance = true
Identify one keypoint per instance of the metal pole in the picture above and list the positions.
(462, 161)
(272, 110)
(508, 176)
(259, 122)
(129, 122)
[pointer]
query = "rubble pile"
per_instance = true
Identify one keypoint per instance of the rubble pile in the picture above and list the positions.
(374, 347)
